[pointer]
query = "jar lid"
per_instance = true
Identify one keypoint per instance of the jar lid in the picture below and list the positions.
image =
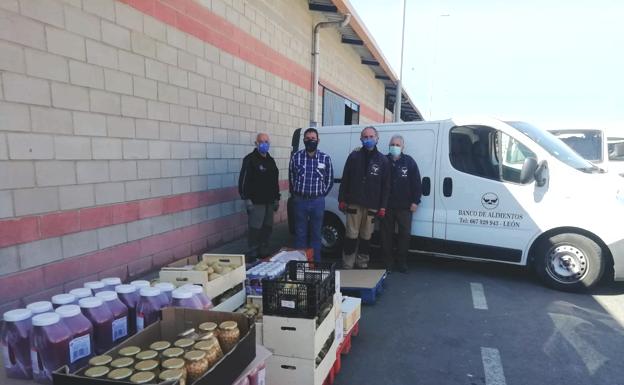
(142, 378)
(195, 355)
(125, 289)
(173, 352)
(146, 355)
(206, 336)
(45, 319)
(129, 351)
(149, 292)
(39, 307)
(184, 343)
(111, 281)
(228, 325)
(146, 366)
(107, 295)
(165, 286)
(90, 302)
(187, 333)
(173, 363)
(97, 371)
(171, 375)
(104, 359)
(140, 283)
(94, 285)
(81, 292)
(195, 289)
(160, 345)
(122, 362)
(63, 299)
(120, 374)
(181, 294)
(208, 327)
(67, 311)
(17, 315)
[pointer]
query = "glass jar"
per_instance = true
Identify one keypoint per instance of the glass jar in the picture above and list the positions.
(189, 333)
(95, 286)
(122, 362)
(111, 282)
(185, 298)
(120, 313)
(229, 335)
(143, 378)
(97, 372)
(15, 341)
(172, 353)
(148, 308)
(198, 292)
(209, 327)
(184, 343)
(147, 355)
(64, 299)
(102, 360)
(175, 363)
(129, 351)
(173, 375)
(81, 292)
(196, 364)
(212, 349)
(121, 374)
(166, 289)
(81, 347)
(49, 346)
(101, 318)
(40, 307)
(146, 366)
(160, 346)
(140, 284)
(129, 295)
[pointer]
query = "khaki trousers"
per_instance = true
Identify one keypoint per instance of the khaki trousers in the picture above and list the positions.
(360, 224)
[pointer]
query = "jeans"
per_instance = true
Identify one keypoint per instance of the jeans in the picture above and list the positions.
(308, 221)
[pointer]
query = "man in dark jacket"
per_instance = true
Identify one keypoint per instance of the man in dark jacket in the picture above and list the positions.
(258, 186)
(405, 194)
(363, 195)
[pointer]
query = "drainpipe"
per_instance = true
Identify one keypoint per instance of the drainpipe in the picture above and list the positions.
(315, 54)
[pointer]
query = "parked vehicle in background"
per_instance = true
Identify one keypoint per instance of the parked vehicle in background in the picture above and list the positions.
(501, 192)
(595, 146)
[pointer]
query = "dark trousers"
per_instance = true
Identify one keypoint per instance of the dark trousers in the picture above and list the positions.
(308, 221)
(402, 220)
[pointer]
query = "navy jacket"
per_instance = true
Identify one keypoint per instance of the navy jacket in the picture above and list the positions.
(405, 184)
(258, 179)
(366, 179)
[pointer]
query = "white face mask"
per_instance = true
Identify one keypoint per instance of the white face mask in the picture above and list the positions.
(395, 150)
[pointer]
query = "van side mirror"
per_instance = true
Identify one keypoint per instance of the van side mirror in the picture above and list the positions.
(527, 174)
(541, 173)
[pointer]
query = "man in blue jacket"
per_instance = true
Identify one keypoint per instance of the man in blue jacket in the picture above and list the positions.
(363, 195)
(405, 194)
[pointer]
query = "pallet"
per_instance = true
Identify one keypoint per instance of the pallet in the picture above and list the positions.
(343, 348)
(367, 294)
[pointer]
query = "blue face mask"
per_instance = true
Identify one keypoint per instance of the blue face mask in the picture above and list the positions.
(395, 151)
(263, 147)
(368, 143)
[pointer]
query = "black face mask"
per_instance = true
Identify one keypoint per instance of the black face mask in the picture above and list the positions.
(310, 145)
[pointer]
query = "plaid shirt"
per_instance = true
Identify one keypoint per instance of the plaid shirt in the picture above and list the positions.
(310, 177)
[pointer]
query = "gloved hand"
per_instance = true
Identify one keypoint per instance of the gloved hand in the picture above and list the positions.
(248, 205)
(381, 213)
(276, 206)
(342, 206)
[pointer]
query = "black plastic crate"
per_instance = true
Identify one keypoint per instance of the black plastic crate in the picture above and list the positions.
(301, 292)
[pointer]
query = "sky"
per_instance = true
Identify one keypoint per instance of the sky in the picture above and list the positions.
(556, 64)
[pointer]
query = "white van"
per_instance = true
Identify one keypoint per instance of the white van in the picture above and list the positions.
(498, 191)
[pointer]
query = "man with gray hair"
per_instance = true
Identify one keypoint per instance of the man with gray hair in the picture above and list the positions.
(405, 194)
(258, 186)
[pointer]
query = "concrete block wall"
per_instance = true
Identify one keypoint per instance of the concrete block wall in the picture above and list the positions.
(123, 125)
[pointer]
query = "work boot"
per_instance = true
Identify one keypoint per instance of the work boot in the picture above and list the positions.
(361, 261)
(347, 261)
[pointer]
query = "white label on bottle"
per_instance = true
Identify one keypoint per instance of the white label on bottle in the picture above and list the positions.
(6, 357)
(34, 359)
(289, 304)
(79, 348)
(120, 328)
(140, 321)
(262, 376)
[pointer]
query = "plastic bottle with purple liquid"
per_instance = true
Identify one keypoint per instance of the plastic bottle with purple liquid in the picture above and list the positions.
(129, 295)
(64, 299)
(81, 345)
(183, 297)
(49, 346)
(101, 318)
(166, 288)
(148, 309)
(111, 282)
(198, 292)
(40, 307)
(120, 314)
(15, 341)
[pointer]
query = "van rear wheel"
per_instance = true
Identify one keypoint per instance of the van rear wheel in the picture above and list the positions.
(332, 235)
(569, 262)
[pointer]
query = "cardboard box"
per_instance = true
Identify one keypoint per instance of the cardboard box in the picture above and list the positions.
(176, 320)
(179, 274)
(351, 309)
(297, 337)
(290, 370)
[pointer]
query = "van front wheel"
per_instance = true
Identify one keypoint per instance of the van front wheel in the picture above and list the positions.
(569, 262)
(332, 235)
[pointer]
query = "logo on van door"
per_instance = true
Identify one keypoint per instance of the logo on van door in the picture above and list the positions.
(489, 201)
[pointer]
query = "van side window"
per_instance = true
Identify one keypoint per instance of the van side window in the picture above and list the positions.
(487, 153)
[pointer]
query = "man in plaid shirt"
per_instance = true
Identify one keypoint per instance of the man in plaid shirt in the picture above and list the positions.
(311, 177)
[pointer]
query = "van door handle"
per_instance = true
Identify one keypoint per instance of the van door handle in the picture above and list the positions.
(447, 187)
(426, 186)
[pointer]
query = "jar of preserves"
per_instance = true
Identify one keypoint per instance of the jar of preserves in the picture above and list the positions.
(147, 355)
(160, 346)
(229, 335)
(146, 366)
(15, 341)
(166, 289)
(189, 333)
(129, 351)
(198, 292)
(81, 292)
(173, 353)
(64, 299)
(49, 346)
(81, 347)
(129, 295)
(121, 374)
(97, 372)
(101, 318)
(175, 363)
(122, 362)
(148, 308)
(120, 314)
(173, 375)
(209, 327)
(95, 286)
(196, 364)
(143, 378)
(212, 350)
(185, 298)
(111, 282)
(184, 343)
(40, 307)
(102, 360)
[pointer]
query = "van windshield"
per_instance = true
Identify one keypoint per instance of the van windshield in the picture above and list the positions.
(555, 147)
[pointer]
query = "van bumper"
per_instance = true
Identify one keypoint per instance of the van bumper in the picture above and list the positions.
(617, 251)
